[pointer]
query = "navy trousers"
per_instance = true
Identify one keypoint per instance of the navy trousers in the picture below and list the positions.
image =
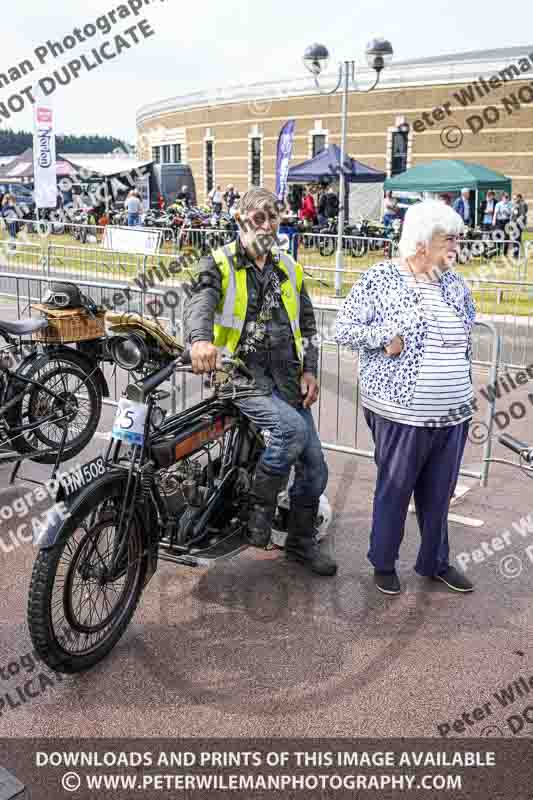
(420, 461)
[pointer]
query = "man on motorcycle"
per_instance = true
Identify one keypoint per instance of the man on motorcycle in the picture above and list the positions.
(250, 302)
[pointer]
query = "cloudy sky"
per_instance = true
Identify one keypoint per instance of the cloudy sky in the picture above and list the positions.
(208, 44)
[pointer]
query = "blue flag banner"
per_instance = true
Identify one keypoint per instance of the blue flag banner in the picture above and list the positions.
(285, 142)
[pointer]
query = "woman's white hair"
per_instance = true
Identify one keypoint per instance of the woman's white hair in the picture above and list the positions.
(423, 220)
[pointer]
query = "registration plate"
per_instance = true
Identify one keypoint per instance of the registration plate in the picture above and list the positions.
(130, 421)
(82, 476)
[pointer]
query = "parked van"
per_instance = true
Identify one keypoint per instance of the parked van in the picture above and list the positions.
(168, 179)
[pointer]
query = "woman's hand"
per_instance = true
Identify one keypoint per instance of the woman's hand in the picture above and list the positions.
(395, 347)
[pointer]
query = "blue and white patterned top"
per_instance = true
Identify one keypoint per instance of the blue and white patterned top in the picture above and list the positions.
(382, 305)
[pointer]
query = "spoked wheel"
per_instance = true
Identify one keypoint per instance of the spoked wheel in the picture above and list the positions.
(465, 254)
(359, 248)
(73, 411)
(326, 246)
(77, 608)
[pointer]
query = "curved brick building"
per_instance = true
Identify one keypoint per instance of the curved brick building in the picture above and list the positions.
(475, 106)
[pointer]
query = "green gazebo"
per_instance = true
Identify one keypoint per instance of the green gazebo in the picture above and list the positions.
(448, 175)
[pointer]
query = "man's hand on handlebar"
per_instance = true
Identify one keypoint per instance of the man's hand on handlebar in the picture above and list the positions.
(203, 357)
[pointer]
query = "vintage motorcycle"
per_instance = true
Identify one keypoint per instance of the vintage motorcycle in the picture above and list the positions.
(168, 488)
(50, 392)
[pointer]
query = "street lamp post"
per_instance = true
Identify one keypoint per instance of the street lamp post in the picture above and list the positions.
(316, 58)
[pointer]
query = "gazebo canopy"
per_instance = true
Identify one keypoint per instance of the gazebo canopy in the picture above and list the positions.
(20, 169)
(447, 175)
(327, 165)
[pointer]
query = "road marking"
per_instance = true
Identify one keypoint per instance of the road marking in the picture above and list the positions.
(470, 522)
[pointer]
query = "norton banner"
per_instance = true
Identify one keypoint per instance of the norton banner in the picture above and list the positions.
(44, 154)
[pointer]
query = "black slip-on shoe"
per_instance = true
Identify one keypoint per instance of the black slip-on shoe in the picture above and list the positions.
(387, 582)
(454, 580)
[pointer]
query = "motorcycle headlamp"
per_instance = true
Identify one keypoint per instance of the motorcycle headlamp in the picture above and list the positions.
(128, 350)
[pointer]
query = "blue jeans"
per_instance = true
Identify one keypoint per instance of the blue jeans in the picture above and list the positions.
(293, 441)
(290, 231)
(133, 219)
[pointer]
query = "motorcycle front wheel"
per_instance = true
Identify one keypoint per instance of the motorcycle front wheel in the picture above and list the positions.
(78, 609)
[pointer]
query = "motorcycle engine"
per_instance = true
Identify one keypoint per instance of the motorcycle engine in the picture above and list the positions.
(181, 485)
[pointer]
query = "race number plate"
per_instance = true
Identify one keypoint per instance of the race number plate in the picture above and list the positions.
(129, 421)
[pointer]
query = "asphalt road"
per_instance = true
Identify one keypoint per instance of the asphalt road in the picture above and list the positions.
(257, 646)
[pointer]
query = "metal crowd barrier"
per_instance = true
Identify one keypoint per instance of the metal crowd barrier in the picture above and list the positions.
(203, 240)
(338, 366)
(505, 303)
(345, 431)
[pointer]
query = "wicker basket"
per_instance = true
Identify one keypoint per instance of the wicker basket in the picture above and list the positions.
(69, 325)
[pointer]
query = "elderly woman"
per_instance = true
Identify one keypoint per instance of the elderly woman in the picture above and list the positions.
(411, 321)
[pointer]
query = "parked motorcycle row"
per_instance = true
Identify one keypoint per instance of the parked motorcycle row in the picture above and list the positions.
(202, 229)
(359, 239)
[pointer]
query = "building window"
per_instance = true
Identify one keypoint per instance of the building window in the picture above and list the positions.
(319, 143)
(399, 152)
(209, 165)
(256, 161)
(166, 154)
(176, 153)
(156, 154)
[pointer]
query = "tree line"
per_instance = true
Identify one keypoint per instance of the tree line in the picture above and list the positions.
(13, 143)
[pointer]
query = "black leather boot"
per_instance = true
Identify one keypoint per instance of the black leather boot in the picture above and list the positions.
(263, 502)
(301, 544)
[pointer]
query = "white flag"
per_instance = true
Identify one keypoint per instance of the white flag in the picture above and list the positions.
(44, 154)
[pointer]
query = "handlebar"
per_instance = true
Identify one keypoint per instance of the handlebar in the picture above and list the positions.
(139, 391)
(520, 448)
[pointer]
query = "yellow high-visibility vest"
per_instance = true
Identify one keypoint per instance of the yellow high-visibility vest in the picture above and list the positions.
(230, 313)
